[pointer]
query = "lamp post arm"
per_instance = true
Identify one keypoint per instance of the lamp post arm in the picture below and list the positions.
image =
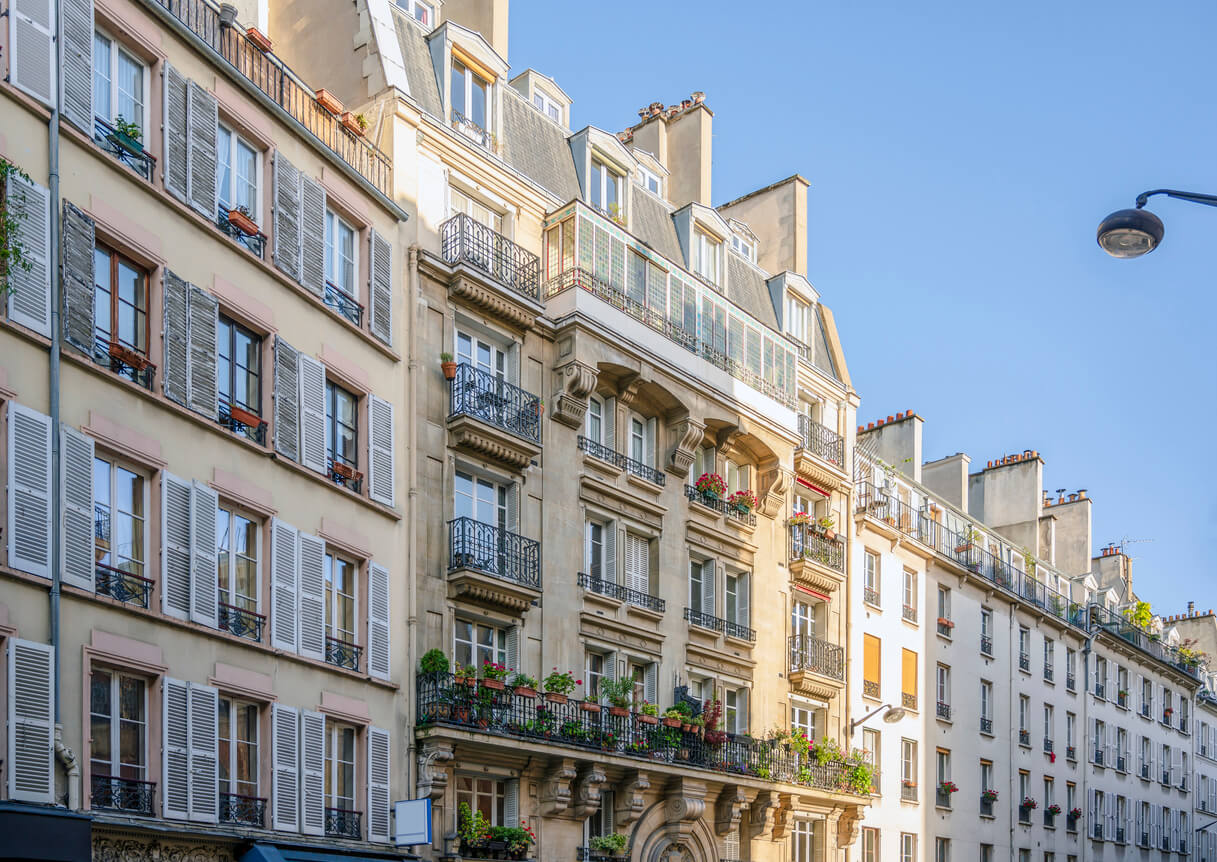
(1194, 197)
(854, 724)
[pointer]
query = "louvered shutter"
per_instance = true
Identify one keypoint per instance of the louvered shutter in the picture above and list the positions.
(204, 581)
(31, 42)
(649, 442)
(31, 722)
(312, 235)
(202, 120)
(29, 294)
(287, 400)
(76, 494)
(511, 803)
(79, 240)
(707, 588)
(608, 572)
(744, 720)
(513, 508)
(204, 753)
(285, 777)
(379, 662)
(204, 347)
(174, 371)
(312, 597)
(312, 773)
(650, 683)
(176, 155)
(176, 527)
(513, 648)
(637, 561)
(175, 749)
(378, 784)
(312, 413)
(284, 585)
(29, 490)
(380, 287)
(381, 483)
(287, 216)
(76, 64)
(743, 587)
(610, 423)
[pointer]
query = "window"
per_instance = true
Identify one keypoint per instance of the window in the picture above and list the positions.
(736, 598)
(482, 355)
(986, 706)
(119, 84)
(470, 102)
(238, 726)
(1024, 649)
(942, 770)
(943, 685)
(598, 666)
(796, 318)
(236, 172)
(340, 596)
(119, 511)
(479, 499)
(908, 765)
(705, 256)
(908, 678)
(237, 544)
(595, 552)
(870, 577)
(808, 841)
(341, 426)
(744, 248)
(738, 477)
(1049, 722)
(637, 564)
(120, 301)
(595, 422)
(700, 592)
(1071, 796)
(650, 181)
(986, 775)
(871, 741)
(1122, 748)
(1147, 696)
(459, 202)
(986, 853)
(944, 611)
(546, 105)
(704, 462)
(478, 643)
(339, 766)
(118, 730)
(638, 439)
(1024, 714)
(1049, 791)
(986, 631)
(1071, 722)
(735, 710)
(1070, 663)
(605, 189)
(600, 822)
(908, 847)
(341, 254)
(910, 595)
(239, 372)
(870, 665)
(807, 719)
(870, 844)
(1100, 741)
(423, 13)
(942, 850)
(802, 620)
(1049, 657)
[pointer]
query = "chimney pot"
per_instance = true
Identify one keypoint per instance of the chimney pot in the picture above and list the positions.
(870, 425)
(890, 418)
(698, 97)
(1191, 609)
(1060, 499)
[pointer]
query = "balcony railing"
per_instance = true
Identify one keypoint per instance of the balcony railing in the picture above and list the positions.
(1100, 691)
(255, 431)
(1048, 746)
(986, 807)
(732, 511)
(123, 361)
(908, 791)
(343, 473)
(241, 622)
(343, 303)
(986, 725)
(343, 823)
(718, 624)
(870, 687)
(130, 153)
(440, 701)
(810, 653)
(493, 551)
(466, 240)
(1120, 627)
(245, 810)
(909, 613)
(129, 795)
(908, 701)
(611, 456)
(986, 645)
(491, 399)
(1071, 682)
(942, 798)
(1024, 663)
(943, 710)
(342, 653)
(470, 129)
(1071, 752)
(808, 542)
(1098, 757)
(871, 596)
(823, 442)
(124, 586)
(255, 242)
(1049, 673)
(945, 627)
(617, 591)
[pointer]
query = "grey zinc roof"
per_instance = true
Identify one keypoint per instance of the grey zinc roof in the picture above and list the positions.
(652, 223)
(416, 57)
(822, 359)
(746, 287)
(537, 147)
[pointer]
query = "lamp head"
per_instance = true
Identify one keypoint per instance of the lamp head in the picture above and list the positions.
(1130, 233)
(894, 714)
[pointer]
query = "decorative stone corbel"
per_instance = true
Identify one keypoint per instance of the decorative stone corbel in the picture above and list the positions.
(774, 483)
(627, 389)
(760, 813)
(575, 382)
(555, 795)
(727, 440)
(849, 825)
(432, 769)
(684, 804)
(729, 808)
(587, 790)
(688, 434)
(781, 816)
(629, 796)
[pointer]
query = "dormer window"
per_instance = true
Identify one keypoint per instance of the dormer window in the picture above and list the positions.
(744, 248)
(470, 102)
(423, 13)
(650, 181)
(546, 105)
(706, 251)
(796, 318)
(604, 190)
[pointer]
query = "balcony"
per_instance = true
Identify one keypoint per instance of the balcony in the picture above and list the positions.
(493, 418)
(737, 514)
(871, 596)
(128, 795)
(1118, 626)
(1096, 829)
(986, 726)
(123, 586)
(908, 701)
(621, 462)
(908, 613)
(722, 626)
(986, 806)
(1145, 771)
(1071, 752)
(243, 810)
(1024, 738)
(816, 560)
(124, 361)
(1049, 820)
(816, 666)
(1049, 673)
(242, 421)
(126, 150)
(1024, 814)
(1098, 757)
(942, 798)
(908, 791)
(343, 823)
(986, 645)
(1100, 691)
(1024, 663)
(1071, 682)
(943, 711)
(622, 594)
(238, 230)
(471, 130)
(241, 622)
(342, 302)
(342, 653)
(1048, 746)
(506, 277)
(820, 457)
(1122, 699)
(1121, 763)
(491, 566)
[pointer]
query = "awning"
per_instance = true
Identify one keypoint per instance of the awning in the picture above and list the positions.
(44, 833)
(264, 851)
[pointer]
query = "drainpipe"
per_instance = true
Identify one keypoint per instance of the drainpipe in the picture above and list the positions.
(68, 760)
(416, 304)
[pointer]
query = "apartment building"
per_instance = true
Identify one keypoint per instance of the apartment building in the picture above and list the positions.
(1195, 633)
(200, 383)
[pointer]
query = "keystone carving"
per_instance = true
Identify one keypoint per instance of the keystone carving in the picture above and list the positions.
(688, 434)
(432, 769)
(729, 808)
(728, 439)
(587, 791)
(555, 787)
(776, 483)
(575, 383)
(627, 389)
(630, 796)
(848, 827)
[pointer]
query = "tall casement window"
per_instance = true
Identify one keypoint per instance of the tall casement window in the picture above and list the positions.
(238, 727)
(118, 746)
(480, 499)
(870, 845)
(119, 514)
(486, 795)
(986, 631)
(120, 305)
(482, 355)
(342, 266)
(870, 577)
(595, 550)
(595, 422)
(986, 706)
(236, 172)
(470, 102)
(340, 599)
(120, 84)
(239, 370)
(478, 643)
(908, 768)
(735, 710)
(339, 766)
(910, 595)
(796, 318)
(908, 847)
(237, 544)
(459, 202)
(604, 189)
(807, 841)
(706, 253)
(597, 666)
(908, 679)
(341, 426)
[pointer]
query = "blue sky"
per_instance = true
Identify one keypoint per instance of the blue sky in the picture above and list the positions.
(960, 157)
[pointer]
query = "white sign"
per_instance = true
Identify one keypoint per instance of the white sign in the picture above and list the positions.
(412, 819)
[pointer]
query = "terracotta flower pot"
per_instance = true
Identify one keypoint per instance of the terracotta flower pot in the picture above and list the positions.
(259, 39)
(619, 711)
(671, 722)
(329, 101)
(554, 697)
(449, 369)
(525, 691)
(590, 706)
(244, 416)
(496, 684)
(351, 124)
(242, 222)
(647, 719)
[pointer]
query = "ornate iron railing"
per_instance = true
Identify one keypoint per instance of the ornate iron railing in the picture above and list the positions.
(1049, 673)
(484, 396)
(1048, 749)
(463, 239)
(943, 710)
(257, 433)
(493, 551)
(123, 361)
(122, 794)
(908, 701)
(908, 791)
(255, 242)
(942, 798)
(986, 725)
(472, 130)
(124, 586)
(986, 807)
(343, 303)
(870, 687)
(1071, 682)
(610, 456)
(810, 653)
(241, 622)
(343, 823)
(624, 594)
(808, 542)
(718, 624)
(246, 810)
(1126, 630)
(736, 513)
(909, 613)
(130, 153)
(1024, 663)
(945, 627)
(1024, 738)
(342, 653)
(870, 595)
(986, 645)
(821, 441)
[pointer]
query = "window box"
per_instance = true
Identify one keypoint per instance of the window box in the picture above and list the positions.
(245, 417)
(496, 684)
(671, 722)
(590, 706)
(554, 697)
(351, 123)
(129, 357)
(643, 718)
(258, 39)
(329, 101)
(525, 691)
(132, 145)
(346, 472)
(242, 222)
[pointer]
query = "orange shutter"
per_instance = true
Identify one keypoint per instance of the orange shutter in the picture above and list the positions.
(908, 673)
(870, 658)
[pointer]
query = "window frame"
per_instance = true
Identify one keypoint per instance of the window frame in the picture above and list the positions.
(333, 390)
(411, 7)
(334, 223)
(602, 176)
(115, 720)
(233, 704)
(706, 254)
(236, 141)
(549, 106)
(114, 464)
(333, 729)
(116, 258)
(228, 329)
(467, 85)
(117, 46)
(497, 795)
(334, 597)
(647, 177)
(256, 522)
(497, 647)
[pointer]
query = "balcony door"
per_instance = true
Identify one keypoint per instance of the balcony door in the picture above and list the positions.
(483, 243)
(480, 499)
(479, 391)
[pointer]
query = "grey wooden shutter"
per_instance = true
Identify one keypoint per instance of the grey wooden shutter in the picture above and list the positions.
(175, 372)
(79, 240)
(202, 120)
(650, 683)
(29, 490)
(379, 653)
(204, 581)
(381, 483)
(29, 291)
(175, 546)
(513, 507)
(609, 569)
(287, 400)
(513, 648)
(31, 721)
(285, 776)
(312, 413)
(76, 64)
(31, 44)
(610, 423)
(284, 585)
(511, 803)
(378, 784)
(312, 773)
(204, 312)
(312, 597)
(649, 442)
(175, 158)
(743, 588)
(76, 475)
(175, 749)
(312, 235)
(204, 753)
(380, 287)
(287, 216)
(707, 588)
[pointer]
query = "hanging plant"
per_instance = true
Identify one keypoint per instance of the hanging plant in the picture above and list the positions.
(12, 252)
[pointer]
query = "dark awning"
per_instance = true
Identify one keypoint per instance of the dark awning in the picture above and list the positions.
(263, 851)
(43, 833)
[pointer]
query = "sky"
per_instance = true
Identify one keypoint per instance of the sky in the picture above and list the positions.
(961, 156)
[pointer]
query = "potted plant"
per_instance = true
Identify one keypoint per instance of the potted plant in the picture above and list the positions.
(1028, 804)
(967, 540)
(466, 675)
(620, 694)
(712, 714)
(494, 675)
(472, 828)
(516, 840)
(648, 713)
(673, 717)
(616, 213)
(433, 662)
(447, 366)
(742, 501)
(1075, 814)
(345, 471)
(948, 787)
(524, 685)
(988, 795)
(351, 122)
(242, 219)
(1053, 810)
(259, 39)
(590, 706)
(826, 525)
(558, 686)
(127, 135)
(610, 845)
(711, 485)
(245, 417)
(798, 519)
(329, 101)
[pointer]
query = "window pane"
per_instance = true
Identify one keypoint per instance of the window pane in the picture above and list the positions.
(130, 89)
(101, 77)
(458, 88)
(477, 105)
(224, 166)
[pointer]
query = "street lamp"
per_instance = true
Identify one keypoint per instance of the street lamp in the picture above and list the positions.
(893, 715)
(1132, 233)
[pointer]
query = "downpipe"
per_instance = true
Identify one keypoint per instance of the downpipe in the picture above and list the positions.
(67, 759)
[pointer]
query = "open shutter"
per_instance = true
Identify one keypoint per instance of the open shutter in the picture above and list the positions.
(174, 372)
(610, 423)
(287, 400)
(513, 648)
(312, 597)
(312, 773)
(312, 235)
(175, 749)
(29, 490)
(637, 563)
(204, 347)
(202, 120)
(76, 64)
(176, 527)
(312, 413)
(31, 722)
(707, 588)
(29, 296)
(284, 585)
(513, 508)
(381, 483)
(175, 157)
(204, 584)
(204, 753)
(378, 622)
(743, 587)
(378, 784)
(511, 803)
(285, 776)
(380, 288)
(649, 442)
(31, 41)
(650, 683)
(609, 571)
(76, 494)
(79, 240)
(287, 216)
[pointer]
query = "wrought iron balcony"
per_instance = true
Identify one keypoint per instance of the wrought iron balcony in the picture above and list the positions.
(470, 129)
(342, 653)
(942, 798)
(1024, 814)
(1024, 663)
(823, 442)
(123, 360)
(1071, 752)
(870, 687)
(986, 807)
(1100, 691)
(909, 613)
(1049, 673)
(1122, 698)
(943, 711)
(245, 810)
(908, 791)
(343, 473)
(736, 513)
(986, 725)
(1048, 746)
(124, 586)
(908, 701)
(129, 795)
(718, 624)
(625, 594)
(1071, 682)
(1098, 757)
(491, 399)
(808, 542)
(127, 150)
(945, 627)
(343, 303)
(493, 551)
(343, 823)
(622, 462)
(255, 242)
(1121, 763)
(466, 240)
(810, 653)
(986, 645)
(241, 622)
(1049, 820)
(870, 595)
(242, 421)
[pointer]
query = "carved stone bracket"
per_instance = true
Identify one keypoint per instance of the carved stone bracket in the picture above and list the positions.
(627, 389)
(775, 484)
(728, 439)
(688, 434)
(432, 769)
(729, 808)
(849, 825)
(587, 790)
(684, 804)
(782, 816)
(575, 382)
(555, 792)
(630, 798)
(769, 814)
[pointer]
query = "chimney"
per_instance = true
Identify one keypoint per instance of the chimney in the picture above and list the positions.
(1009, 496)
(686, 154)
(1191, 609)
(948, 478)
(777, 214)
(897, 441)
(488, 17)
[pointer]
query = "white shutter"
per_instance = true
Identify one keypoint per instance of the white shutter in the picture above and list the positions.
(381, 483)
(76, 494)
(378, 784)
(649, 442)
(29, 490)
(312, 235)
(175, 749)
(202, 121)
(204, 754)
(79, 234)
(287, 216)
(287, 400)
(175, 376)
(176, 525)
(312, 597)
(743, 588)
(29, 296)
(610, 423)
(284, 585)
(176, 155)
(204, 349)
(511, 803)
(608, 572)
(513, 508)
(204, 581)
(638, 563)
(76, 63)
(380, 287)
(513, 648)
(379, 663)
(285, 776)
(707, 588)
(312, 773)
(31, 41)
(312, 414)
(650, 683)
(31, 722)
